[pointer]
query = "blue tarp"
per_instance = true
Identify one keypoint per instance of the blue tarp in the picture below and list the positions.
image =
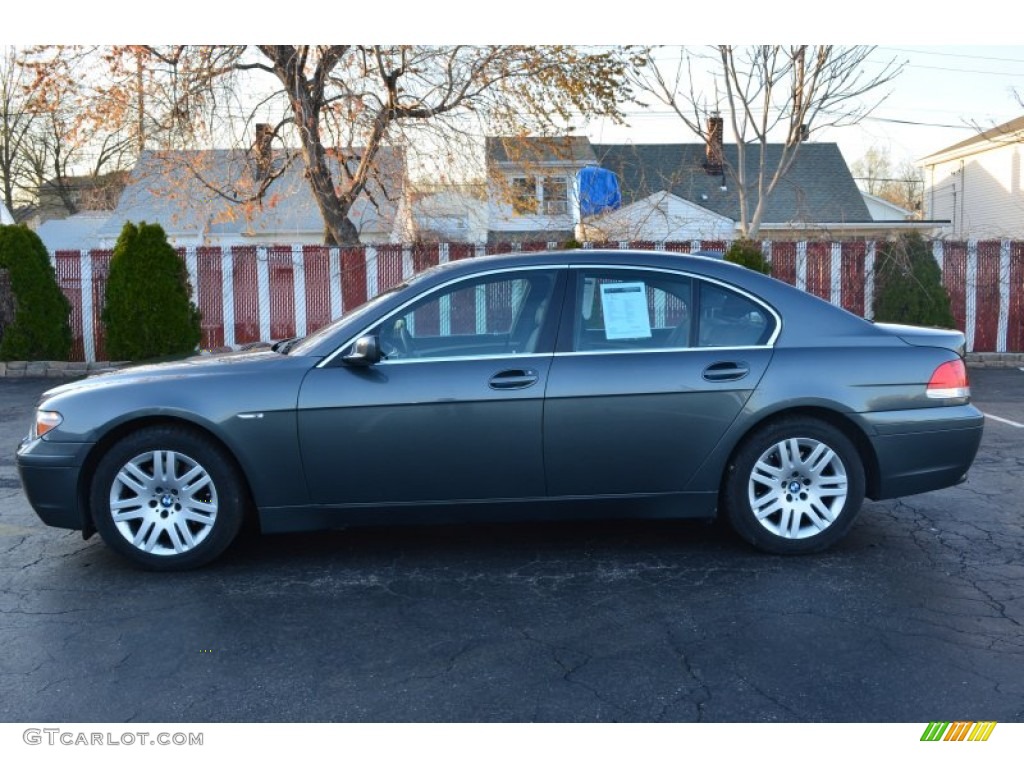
(599, 190)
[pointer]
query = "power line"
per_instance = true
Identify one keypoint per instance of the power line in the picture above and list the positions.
(918, 123)
(961, 70)
(658, 114)
(880, 178)
(951, 55)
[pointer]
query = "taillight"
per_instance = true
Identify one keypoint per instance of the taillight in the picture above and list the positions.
(949, 380)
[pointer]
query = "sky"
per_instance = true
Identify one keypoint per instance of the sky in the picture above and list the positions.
(960, 70)
(942, 96)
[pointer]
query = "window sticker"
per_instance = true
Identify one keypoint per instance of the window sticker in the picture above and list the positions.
(625, 311)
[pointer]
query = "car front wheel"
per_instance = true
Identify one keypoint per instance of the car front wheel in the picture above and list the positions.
(794, 487)
(167, 498)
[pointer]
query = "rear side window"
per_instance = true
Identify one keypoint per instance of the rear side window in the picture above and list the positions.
(729, 319)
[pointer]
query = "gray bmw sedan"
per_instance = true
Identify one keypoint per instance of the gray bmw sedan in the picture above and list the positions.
(619, 383)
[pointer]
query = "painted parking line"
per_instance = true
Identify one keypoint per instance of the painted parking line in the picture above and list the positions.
(1001, 420)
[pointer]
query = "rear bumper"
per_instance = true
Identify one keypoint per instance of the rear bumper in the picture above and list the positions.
(921, 450)
(49, 474)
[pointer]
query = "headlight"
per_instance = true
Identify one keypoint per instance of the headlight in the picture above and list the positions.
(45, 421)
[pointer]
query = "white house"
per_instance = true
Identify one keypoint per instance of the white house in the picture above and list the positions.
(674, 192)
(531, 186)
(5, 215)
(456, 215)
(184, 192)
(977, 185)
(75, 233)
(883, 210)
(660, 216)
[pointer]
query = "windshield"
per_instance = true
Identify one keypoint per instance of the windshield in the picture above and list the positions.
(305, 345)
(302, 346)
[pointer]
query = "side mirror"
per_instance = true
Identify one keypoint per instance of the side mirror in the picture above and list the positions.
(365, 351)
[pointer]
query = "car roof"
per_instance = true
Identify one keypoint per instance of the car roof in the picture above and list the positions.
(700, 261)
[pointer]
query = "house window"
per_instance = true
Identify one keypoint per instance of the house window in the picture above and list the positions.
(546, 195)
(443, 222)
(555, 190)
(524, 195)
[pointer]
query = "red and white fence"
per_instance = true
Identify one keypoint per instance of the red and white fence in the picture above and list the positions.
(257, 293)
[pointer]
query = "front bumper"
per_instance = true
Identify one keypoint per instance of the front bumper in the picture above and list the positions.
(50, 473)
(924, 449)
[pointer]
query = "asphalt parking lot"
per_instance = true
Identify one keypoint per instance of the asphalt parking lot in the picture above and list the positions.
(918, 615)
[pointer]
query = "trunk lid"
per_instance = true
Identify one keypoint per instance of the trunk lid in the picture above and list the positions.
(919, 336)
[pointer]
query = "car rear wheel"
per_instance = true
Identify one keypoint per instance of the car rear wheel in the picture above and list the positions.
(167, 498)
(794, 487)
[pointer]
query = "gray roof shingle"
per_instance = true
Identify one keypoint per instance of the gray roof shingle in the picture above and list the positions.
(523, 150)
(817, 189)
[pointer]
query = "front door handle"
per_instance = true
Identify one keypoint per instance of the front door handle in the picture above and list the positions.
(725, 371)
(515, 378)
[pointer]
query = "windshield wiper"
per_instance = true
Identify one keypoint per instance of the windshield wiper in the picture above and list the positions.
(284, 345)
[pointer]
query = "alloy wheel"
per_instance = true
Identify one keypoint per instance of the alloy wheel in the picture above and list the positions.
(797, 488)
(163, 502)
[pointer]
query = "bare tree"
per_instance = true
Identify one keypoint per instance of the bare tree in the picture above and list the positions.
(342, 104)
(16, 122)
(902, 185)
(767, 93)
(873, 170)
(907, 187)
(67, 144)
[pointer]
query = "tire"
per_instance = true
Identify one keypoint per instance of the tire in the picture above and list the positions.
(794, 486)
(167, 498)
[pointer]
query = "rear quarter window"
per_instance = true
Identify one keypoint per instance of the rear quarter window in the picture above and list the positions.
(730, 319)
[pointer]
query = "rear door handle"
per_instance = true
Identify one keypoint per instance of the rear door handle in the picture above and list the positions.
(515, 378)
(725, 371)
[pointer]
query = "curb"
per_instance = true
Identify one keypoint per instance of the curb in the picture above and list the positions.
(53, 369)
(995, 360)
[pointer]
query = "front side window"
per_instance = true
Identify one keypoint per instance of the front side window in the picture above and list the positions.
(503, 314)
(632, 310)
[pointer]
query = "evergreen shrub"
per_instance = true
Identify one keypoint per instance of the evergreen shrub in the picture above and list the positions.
(747, 253)
(148, 312)
(908, 285)
(41, 329)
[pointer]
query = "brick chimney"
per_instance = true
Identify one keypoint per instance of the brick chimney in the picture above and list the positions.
(802, 134)
(714, 163)
(261, 149)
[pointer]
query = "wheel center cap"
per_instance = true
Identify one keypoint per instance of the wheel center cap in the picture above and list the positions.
(166, 500)
(795, 487)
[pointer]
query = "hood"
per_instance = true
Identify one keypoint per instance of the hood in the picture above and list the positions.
(235, 362)
(919, 336)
